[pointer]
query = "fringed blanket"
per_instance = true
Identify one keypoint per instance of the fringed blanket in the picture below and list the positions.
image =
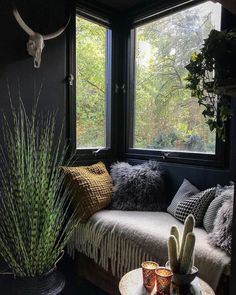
(126, 238)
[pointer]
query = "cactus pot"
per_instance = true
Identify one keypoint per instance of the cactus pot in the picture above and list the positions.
(183, 279)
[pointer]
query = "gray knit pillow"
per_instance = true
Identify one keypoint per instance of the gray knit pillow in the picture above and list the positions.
(139, 187)
(195, 205)
(185, 191)
(222, 193)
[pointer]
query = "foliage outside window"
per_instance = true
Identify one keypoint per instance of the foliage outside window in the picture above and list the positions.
(166, 116)
(91, 40)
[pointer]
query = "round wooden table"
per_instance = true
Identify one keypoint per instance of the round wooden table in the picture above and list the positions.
(132, 284)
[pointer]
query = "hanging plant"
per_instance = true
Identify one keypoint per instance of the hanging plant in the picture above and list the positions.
(212, 72)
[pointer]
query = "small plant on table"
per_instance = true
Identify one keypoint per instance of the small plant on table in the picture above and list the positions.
(181, 255)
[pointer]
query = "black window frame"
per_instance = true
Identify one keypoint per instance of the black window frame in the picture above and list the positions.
(102, 17)
(219, 159)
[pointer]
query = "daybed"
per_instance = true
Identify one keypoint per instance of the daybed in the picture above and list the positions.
(118, 241)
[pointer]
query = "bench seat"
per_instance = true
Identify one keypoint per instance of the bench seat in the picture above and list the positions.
(123, 239)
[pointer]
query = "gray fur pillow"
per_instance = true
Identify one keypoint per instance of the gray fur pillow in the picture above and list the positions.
(139, 187)
(221, 236)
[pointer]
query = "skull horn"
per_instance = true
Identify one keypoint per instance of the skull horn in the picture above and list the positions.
(22, 24)
(57, 33)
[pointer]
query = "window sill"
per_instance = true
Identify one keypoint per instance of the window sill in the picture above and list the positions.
(198, 159)
(92, 154)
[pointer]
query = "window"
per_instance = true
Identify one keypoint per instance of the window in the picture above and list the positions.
(166, 117)
(92, 84)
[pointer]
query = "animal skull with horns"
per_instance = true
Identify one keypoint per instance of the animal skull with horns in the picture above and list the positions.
(35, 43)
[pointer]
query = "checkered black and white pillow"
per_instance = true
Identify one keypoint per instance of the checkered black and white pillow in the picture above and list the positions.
(196, 205)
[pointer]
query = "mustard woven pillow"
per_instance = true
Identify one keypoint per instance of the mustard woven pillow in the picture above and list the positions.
(91, 187)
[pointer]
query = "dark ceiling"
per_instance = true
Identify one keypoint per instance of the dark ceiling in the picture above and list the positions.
(121, 4)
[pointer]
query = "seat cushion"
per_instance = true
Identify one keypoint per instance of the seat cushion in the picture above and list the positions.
(126, 238)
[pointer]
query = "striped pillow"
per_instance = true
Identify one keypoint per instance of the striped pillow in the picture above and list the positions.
(222, 193)
(195, 205)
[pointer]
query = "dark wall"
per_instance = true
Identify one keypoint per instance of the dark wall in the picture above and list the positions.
(16, 70)
(16, 66)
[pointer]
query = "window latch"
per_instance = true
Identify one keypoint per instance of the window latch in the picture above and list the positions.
(165, 155)
(123, 88)
(116, 88)
(95, 153)
(71, 79)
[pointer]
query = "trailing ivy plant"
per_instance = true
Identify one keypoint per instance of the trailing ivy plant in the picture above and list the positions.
(35, 223)
(208, 71)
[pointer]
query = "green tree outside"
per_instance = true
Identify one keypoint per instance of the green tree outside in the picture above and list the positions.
(90, 83)
(166, 116)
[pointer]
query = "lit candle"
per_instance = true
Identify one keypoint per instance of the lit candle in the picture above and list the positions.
(163, 280)
(149, 276)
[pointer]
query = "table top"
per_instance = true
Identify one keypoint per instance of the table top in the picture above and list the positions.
(132, 284)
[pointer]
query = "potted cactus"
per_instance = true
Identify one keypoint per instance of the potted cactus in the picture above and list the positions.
(181, 255)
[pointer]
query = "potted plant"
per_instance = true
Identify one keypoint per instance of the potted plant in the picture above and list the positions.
(35, 223)
(181, 253)
(212, 76)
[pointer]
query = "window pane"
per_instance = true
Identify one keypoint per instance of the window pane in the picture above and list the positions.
(166, 116)
(90, 84)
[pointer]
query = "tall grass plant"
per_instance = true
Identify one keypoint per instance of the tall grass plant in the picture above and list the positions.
(35, 218)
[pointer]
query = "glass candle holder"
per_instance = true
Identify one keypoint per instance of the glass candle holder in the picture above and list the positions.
(149, 276)
(163, 280)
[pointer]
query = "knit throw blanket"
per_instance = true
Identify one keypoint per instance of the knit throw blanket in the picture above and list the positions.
(126, 238)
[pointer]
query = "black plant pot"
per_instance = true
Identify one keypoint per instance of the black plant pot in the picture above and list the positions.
(51, 283)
